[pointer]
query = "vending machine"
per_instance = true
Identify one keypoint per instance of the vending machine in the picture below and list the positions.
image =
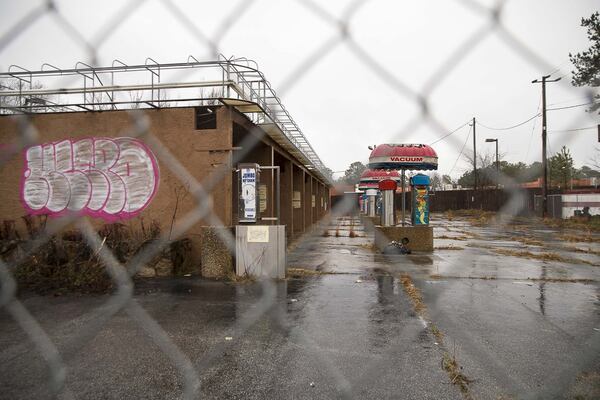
(420, 185)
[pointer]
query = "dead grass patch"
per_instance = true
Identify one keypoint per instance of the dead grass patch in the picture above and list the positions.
(461, 238)
(480, 246)
(448, 248)
(299, 272)
(526, 240)
(302, 272)
(592, 224)
(437, 277)
(437, 333)
(368, 246)
(414, 294)
(560, 280)
(548, 256)
(588, 238)
(450, 365)
(493, 278)
(589, 250)
(246, 278)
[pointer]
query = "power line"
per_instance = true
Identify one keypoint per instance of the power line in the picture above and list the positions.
(461, 151)
(574, 130)
(445, 136)
(509, 127)
(573, 106)
(533, 129)
(536, 115)
(587, 98)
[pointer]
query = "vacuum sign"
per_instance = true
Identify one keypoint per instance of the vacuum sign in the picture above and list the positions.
(389, 161)
(407, 159)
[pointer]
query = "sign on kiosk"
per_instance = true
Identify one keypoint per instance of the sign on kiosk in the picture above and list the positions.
(249, 198)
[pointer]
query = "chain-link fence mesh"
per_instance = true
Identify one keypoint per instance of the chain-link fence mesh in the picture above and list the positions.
(491, 22)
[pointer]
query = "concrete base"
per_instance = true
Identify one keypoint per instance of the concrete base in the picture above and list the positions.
(263, 256)
(216, 259)
(420, 237)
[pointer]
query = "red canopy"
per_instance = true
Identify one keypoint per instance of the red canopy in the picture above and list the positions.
(403, 156)
(376, 175)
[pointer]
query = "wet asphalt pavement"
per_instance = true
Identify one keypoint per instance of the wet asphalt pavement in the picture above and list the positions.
(517, 327)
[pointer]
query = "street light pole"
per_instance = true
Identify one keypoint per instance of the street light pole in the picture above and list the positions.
(544, 156)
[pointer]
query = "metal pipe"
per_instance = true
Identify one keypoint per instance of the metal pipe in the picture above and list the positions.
(403, 195)
(388, 213)
(241, 71)
(371, 205)
(118, 88)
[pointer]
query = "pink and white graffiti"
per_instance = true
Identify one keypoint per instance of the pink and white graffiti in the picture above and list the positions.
(109, 178)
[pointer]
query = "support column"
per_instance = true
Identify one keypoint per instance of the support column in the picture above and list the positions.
(306, 202)
(313, 200)
(297, 200)
(286, 192)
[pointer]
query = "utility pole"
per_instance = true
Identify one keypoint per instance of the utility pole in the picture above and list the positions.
(474, 156)
(544, 145)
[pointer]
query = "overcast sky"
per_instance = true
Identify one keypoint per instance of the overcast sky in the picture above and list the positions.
(340, 103)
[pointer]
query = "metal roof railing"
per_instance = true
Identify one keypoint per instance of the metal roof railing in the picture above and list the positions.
(155, 85)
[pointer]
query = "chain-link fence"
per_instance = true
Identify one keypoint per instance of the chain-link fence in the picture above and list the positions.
(491, 20)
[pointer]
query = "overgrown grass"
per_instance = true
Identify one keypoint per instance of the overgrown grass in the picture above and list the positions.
(67, 263)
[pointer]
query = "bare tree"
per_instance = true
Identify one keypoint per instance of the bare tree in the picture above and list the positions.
(209, 98)
(595, 160)
(17, 103)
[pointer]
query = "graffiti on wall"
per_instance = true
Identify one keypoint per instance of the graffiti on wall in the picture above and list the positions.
(109, 178)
